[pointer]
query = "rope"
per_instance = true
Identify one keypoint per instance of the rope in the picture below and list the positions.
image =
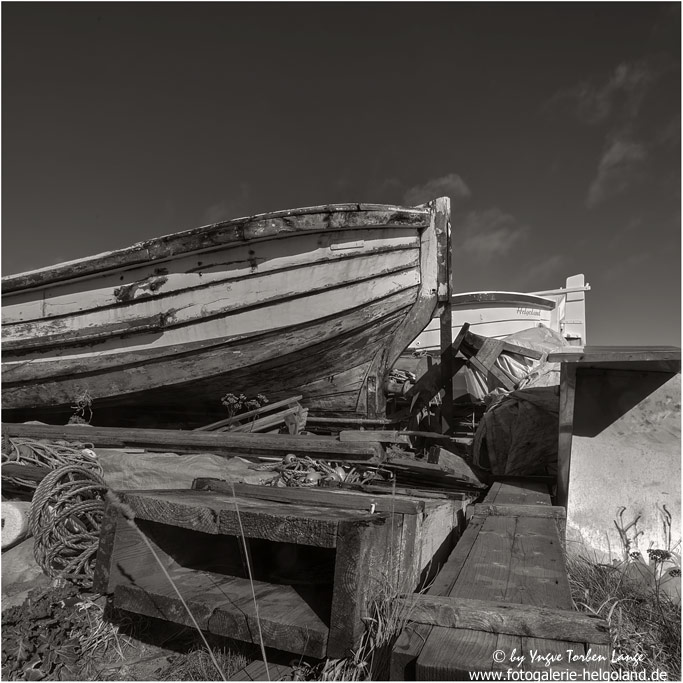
(65, 519)
(306, 472)
(53, 454)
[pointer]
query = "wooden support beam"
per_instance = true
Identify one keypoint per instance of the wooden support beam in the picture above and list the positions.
(445, 291)
(237, 419)
(506, 618)
(566, 431)
(227, 444)
(503, 510)
(388, 436)
(320, 497)
(477, 341)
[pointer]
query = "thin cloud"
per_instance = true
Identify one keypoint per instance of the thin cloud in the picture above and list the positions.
(489, 234)
(617, 99)
(621, 96)
(619, 167)
(234, 206)
(616, 103)
(451, 185)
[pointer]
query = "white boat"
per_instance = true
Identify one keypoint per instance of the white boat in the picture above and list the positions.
(498, 314)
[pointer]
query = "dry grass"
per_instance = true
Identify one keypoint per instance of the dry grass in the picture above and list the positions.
(99, 639)
(199, 665)
(370, 661)
(386, 618)
(645, 623)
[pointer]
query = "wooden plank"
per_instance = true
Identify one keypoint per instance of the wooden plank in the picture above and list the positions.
(351, 585)
(615, 354)
(250, 413)
(356, 421)
(545, 511)
(484, 576)
(493, 492)
(204, 312)
(566, 430)
(319, 348)
(364, 435)
(216, 514)
(417, 466)
(485, 361)
(521, 492)
(537, 571)
(451, 654)
(326, 498)
(538, 577)
(224, 605)
(225, 265)
(508, 618)
(445, 292)
(431, 494)
(218, 353)
(202, 239)
(478, 341)
(105, 548)
(221, 443)
(265, 423)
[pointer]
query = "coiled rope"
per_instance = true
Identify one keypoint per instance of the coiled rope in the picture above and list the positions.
(65, 519)
(52, 454)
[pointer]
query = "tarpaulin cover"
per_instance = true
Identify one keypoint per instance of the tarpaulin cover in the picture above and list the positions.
(123, 470)
(518, 434)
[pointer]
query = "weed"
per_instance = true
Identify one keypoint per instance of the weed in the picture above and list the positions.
(82, 407)
(241, 404)
(644, 622)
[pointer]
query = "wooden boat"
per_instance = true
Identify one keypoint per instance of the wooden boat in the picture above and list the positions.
(500, 314)
(317, 301)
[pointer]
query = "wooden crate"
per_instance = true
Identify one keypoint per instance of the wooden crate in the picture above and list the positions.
(318, 558)
(503, 588)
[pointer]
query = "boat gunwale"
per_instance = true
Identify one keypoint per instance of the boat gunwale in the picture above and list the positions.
(501, 298)
(235, 229)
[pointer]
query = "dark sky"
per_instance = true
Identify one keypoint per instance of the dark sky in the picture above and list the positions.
(555, 128)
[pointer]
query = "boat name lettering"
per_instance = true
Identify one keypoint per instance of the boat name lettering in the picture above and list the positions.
(528, 311)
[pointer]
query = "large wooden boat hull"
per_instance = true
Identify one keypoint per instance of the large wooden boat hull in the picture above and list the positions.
(318, 301)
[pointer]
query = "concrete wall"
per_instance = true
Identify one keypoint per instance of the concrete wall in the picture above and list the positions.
(625, 463)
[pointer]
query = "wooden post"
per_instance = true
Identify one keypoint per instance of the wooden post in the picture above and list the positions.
(442, 209)
(566, 428)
